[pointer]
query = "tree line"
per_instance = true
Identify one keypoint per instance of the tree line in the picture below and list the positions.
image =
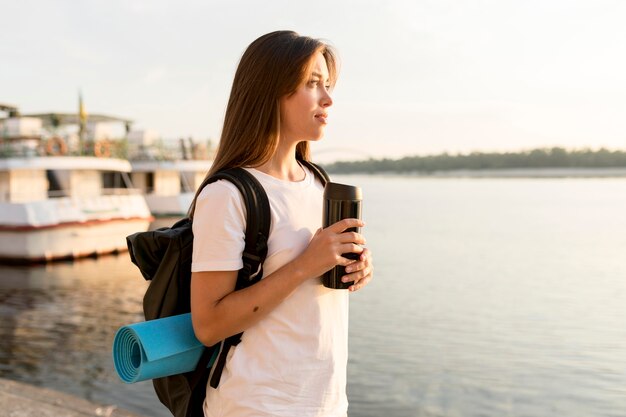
(535, 158)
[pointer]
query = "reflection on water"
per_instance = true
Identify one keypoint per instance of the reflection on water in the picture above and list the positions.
(57, 324)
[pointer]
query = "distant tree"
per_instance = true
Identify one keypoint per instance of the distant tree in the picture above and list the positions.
(535, 158)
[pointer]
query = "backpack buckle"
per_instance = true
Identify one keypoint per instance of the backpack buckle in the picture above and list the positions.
(250, 258)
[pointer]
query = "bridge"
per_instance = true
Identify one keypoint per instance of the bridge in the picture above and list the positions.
(339, 153)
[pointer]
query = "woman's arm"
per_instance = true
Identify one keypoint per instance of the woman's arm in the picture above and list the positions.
(218, 311)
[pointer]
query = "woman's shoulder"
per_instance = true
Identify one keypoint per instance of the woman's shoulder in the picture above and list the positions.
(220, 189)
(219, 201)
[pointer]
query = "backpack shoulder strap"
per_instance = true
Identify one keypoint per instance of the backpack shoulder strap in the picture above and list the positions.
(319, 172)
(257, 232)
(258, 223)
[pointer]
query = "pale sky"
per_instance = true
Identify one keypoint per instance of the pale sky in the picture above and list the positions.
(417, 76)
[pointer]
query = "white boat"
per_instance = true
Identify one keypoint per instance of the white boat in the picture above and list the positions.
(91, 213)
(62, 207)
(168, 177)
(169, 186)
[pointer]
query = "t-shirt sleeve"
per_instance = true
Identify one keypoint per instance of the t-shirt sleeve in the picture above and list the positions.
(218, 229)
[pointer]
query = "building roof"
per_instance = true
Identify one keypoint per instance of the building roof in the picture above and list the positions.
(6, 107)
(9, 108)
(59, 119)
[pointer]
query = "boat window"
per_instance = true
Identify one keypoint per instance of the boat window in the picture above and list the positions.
(113, 180)
(149, 182)
(54, 185)
(185, 184)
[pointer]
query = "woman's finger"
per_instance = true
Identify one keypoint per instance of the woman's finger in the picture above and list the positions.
(353, 237)
(364, 271)
(344, 224)
(360, 284)
(355, 266)
(350, 248)
(364, 261)
(343, 261)
(356, 276)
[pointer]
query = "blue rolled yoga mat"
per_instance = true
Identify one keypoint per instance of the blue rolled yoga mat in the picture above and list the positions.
(156, 348)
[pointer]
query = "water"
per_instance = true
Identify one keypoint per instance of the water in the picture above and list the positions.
(491, 297)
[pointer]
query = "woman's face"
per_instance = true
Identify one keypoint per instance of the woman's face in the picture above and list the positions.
(303, 114)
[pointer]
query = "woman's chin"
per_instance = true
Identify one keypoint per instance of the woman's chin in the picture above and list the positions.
(317, 137)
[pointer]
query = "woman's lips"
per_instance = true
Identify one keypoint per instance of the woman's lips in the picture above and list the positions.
(322, 117)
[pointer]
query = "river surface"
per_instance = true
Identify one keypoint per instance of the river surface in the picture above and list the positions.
(492, 297)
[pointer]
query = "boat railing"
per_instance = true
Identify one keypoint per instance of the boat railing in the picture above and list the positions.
(58, 146)
(162, 150)
(20, 149)
(169, 150)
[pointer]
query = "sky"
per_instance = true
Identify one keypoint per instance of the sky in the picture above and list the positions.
(417, 76)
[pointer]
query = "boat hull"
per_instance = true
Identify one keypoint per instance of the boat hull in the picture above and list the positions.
(71, 240)
(169, 206)
(68, 228)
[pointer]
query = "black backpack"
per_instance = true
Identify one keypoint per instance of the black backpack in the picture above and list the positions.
(164, 258)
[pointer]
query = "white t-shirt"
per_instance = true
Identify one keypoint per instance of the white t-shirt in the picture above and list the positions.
(292, 362)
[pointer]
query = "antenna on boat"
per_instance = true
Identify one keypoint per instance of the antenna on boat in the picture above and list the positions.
(82, 122)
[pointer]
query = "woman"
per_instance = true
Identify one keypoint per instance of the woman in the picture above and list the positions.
(293, 355)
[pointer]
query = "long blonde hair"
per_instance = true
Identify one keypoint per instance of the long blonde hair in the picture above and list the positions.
(273, 66)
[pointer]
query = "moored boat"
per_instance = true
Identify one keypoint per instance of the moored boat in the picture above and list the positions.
(56, 203)
(168, 186)
(168, 177)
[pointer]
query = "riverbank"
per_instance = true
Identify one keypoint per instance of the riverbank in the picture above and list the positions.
(504, 173)
(531, 173)
(22, 400)
(554, 158)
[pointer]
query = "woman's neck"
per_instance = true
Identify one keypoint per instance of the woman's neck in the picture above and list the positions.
(283, 164)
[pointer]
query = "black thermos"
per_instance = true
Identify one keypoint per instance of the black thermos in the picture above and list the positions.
(341, 202)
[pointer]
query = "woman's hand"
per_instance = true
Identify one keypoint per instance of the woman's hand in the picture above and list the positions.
(361, 271)
(327, 245)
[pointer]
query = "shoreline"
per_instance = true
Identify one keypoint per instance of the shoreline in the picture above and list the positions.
(25, 400)
(504, 173)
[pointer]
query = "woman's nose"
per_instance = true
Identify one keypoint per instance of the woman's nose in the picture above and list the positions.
(327, 100)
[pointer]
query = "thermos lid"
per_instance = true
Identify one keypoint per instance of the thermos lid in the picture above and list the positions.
(335, 191)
